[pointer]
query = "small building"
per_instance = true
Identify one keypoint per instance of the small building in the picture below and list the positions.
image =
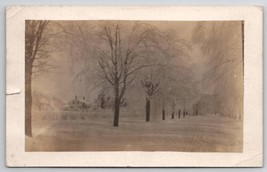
(208, 104)
(77, 104)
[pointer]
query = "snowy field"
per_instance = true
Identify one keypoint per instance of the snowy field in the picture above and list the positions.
(82, 133)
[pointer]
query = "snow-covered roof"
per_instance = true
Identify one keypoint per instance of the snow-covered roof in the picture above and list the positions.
(80, 100)
(83, 101)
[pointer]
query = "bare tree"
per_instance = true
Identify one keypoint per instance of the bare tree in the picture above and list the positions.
(123, 50)
(120, 58)
(176, 79)
(171, 53)
(35, 61)
(151, 87)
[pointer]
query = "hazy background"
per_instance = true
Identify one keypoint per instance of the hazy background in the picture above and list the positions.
(3, 5)
(212, 66)
(60, 81)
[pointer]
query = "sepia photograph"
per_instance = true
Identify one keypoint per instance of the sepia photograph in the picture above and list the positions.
(134, 86)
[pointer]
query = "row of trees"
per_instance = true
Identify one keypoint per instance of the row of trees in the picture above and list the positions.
(129, 55)
(181, 114)
(122, 56)
(126, 53)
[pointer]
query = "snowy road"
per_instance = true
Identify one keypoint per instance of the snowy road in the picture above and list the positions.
(191, 134)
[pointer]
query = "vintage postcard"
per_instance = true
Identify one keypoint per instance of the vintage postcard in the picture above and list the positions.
(137, 86)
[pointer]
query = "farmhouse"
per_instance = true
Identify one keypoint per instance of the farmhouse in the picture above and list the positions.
(77, 104)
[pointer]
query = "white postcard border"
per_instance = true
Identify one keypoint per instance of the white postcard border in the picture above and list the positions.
(253, 81)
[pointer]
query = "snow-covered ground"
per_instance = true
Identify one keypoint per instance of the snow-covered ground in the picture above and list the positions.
(190, 134)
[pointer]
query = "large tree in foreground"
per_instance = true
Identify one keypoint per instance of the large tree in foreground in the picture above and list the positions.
(118, 55)
(121, 54)
(35, 61)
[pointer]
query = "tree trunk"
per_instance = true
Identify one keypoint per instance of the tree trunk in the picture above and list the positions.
(116, 111)
(102, 102)
(173, 107)
(163, 109)
(147, 110)
(163, 114)
(172, 114)
(28, 101)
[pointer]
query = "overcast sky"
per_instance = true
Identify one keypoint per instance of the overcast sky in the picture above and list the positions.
(59, 82)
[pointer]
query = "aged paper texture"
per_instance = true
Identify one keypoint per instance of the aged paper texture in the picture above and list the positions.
(138, 86)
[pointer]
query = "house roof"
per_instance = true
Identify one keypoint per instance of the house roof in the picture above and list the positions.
(83, 101)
